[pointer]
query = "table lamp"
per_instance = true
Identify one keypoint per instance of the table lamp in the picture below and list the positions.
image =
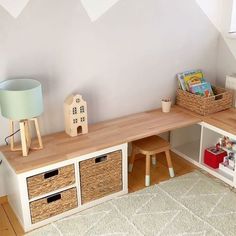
(21, 101)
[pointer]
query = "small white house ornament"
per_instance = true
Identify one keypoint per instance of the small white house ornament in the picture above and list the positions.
(76, 118)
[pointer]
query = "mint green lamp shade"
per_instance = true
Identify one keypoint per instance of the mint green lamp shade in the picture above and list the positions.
(21, 99)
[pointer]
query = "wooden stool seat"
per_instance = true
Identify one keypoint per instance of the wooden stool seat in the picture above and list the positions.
(151, 146)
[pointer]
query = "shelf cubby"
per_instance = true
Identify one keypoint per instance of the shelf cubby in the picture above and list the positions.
(190, 143)
(186, 142)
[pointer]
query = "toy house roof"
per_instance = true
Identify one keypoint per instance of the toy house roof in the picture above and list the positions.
(72, 99)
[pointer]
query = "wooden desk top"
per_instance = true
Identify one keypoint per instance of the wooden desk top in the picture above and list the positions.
(60, 147)
(225, 120)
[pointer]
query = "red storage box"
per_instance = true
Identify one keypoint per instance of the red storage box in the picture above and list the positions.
(213, 157)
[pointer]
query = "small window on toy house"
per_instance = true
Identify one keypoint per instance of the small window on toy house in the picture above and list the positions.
(82, 109)
(74, 110)
(82, 119)
(75, 121)
(77, 100)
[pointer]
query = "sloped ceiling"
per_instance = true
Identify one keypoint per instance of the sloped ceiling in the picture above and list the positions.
(212, 8)
(219, 13)
(94, 8)
(14, 7)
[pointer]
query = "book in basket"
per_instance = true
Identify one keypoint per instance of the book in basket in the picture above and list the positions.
(190, 78)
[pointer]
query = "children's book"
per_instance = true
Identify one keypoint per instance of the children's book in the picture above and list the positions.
(189, 78)
(203, 89)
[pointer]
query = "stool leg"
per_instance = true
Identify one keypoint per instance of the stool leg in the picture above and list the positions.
(147, 177)
(154, 160)
(169, 163)
(132, 158)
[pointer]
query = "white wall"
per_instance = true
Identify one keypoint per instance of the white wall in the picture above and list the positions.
(219, 12)
(226, 63)
(123, 63)
(213, 10)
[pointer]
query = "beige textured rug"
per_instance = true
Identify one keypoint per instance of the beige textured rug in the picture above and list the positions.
(193, 204)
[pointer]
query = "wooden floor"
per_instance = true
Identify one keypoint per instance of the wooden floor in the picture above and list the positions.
(159, 173)
(9, 226)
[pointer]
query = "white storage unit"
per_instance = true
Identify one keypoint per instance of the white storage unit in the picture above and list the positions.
(43, 195)
(191, 142)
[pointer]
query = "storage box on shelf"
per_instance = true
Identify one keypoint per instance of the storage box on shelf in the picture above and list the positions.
(52, 205)
(101, 176)
(46, 194)
(214, 156)
(222, 100)
(50, 181)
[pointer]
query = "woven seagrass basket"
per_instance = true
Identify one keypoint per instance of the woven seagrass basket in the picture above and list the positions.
(50, 181)
(53, 205)
(222, 100)
(101, 176)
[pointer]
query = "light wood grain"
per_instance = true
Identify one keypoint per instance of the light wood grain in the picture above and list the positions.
(5, 226)
(3, 199)
(150, 146)
(60, 146)
(225, 120)
(36, 124)
(13, 220)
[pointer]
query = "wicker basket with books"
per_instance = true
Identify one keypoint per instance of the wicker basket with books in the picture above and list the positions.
(197, 95)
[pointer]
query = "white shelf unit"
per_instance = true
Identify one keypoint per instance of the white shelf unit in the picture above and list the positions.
(191, 142)
(17, 188)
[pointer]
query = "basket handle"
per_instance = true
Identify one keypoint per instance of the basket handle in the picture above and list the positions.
(219, 96)
(54, 198)
(50, 174)
(100, 159)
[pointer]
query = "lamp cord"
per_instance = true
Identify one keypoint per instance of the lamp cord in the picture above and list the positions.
(10, 136)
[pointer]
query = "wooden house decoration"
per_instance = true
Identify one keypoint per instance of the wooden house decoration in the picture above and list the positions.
(76, 119)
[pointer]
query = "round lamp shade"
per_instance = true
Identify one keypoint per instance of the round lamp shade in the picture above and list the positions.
(21, 99)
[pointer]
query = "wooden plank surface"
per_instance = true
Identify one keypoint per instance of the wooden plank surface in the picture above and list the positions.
(3, 199)
(225, 120)
(5, 225)
(18, 230)
(59, 146)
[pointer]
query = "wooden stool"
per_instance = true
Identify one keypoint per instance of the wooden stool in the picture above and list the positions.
(150, 147)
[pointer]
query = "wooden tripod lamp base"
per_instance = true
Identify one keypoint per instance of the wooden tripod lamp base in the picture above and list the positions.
(25, 134)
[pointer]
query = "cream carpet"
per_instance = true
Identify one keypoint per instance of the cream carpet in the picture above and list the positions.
(193, 204)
